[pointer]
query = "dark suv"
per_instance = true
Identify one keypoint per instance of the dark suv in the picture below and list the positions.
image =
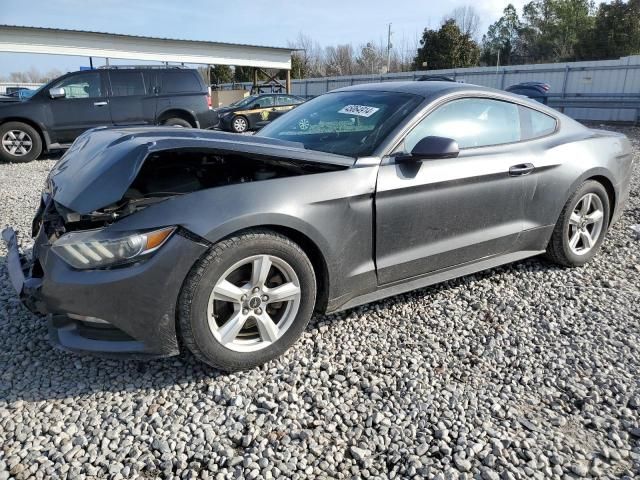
(61, 110)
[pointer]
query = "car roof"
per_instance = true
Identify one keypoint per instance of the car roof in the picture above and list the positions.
(424, 89)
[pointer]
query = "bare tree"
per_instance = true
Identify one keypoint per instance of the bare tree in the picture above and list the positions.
(339, 60)
(467, 19)
(308, 57)
(371, 59)
(18, 77)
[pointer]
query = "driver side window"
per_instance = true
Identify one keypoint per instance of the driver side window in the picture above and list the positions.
(472, 122)
(263, 102)
(86, 85)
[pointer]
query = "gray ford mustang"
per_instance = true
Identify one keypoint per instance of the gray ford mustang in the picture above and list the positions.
(149, 239)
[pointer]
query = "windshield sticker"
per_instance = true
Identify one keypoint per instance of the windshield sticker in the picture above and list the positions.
(359, 110)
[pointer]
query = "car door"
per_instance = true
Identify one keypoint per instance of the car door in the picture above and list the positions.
(262, 111)
(84, 106)
(436, 214)
(131, 100)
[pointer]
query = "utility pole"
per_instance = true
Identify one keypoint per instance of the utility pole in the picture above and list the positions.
(389, 48)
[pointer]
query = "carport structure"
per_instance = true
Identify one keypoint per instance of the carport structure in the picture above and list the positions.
(55, 41)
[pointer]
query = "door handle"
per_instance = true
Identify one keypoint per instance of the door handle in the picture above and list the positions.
(100, 104)
(521, 169)
(274, 109)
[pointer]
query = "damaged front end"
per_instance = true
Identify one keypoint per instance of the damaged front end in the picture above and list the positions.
(111, 289)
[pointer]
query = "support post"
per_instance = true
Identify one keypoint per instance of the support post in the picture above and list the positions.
(564, 80)
(288, 80)
(254, 88)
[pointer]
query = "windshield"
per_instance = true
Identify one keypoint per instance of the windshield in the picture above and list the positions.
(351, 123)
(244, 101)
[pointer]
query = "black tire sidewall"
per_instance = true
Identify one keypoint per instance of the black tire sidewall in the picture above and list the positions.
(588, 187)
(233, 123)
(177, 122)
(36, 146)
(196, 311)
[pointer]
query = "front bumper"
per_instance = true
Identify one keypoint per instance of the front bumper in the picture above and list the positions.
(130, 310)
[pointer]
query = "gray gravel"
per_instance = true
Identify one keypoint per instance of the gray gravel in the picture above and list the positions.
(524, 371)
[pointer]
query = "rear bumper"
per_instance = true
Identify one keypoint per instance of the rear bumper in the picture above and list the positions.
(130, 310)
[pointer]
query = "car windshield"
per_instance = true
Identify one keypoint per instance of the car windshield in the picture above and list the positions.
(244, 101)
(351, 123)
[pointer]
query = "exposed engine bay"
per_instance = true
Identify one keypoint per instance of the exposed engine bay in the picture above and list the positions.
(179, 172)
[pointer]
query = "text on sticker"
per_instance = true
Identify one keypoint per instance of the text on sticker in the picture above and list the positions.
(359, 110)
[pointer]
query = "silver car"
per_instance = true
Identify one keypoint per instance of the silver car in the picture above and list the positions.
(151, 239)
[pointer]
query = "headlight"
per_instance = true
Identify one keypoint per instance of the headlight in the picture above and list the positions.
(94, 249)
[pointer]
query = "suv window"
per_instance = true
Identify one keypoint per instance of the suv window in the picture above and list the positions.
(84, 85)
(125, 84)
(472, 122)
(536, 124)
(180, 82)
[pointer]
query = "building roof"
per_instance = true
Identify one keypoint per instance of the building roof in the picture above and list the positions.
(56, 41)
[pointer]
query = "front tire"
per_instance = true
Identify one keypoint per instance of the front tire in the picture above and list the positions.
(19, 142)
(581, 227)
(247, 300)
(239, 124)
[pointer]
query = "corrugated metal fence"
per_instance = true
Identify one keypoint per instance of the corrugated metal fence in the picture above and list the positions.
(606, 90)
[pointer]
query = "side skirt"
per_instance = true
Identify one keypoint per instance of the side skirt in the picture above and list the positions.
(438, 277)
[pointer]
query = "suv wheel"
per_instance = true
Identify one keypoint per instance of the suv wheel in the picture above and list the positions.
(19, 142)
(247, 301)
(239, 124)
(176, 122)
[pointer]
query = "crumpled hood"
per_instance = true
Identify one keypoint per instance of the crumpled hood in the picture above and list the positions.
(102, 163)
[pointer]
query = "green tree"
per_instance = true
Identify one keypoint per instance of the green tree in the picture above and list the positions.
(615, 32)
(243, 74)
(553, 29)
(220, 74)
(445, 48)
(502, 40)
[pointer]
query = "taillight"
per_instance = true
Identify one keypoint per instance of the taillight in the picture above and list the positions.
(209, 101)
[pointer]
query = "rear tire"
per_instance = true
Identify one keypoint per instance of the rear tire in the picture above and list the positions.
(229, 315)
(19, 142)
(177, 122)
(581, 227)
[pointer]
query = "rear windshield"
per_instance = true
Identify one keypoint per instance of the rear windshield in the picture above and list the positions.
(352, 123)
(180, 82)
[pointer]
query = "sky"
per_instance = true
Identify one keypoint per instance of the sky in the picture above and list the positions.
(273, 22)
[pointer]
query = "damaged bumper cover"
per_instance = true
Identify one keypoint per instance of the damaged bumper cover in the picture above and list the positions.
(120, 311)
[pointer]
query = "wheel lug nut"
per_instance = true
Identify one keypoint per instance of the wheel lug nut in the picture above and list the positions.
(243, 298)
(256, 290)
(258, 311)
(245, 311)
(265, 298)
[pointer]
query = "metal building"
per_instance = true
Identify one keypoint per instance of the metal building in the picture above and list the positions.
(55, 41)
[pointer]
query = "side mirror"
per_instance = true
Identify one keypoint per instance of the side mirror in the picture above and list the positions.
(432, 148)
(57, 92)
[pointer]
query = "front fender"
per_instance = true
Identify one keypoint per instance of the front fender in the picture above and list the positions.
(334, 210)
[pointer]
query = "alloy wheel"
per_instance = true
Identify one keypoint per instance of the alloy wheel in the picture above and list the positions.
(17, 143)
(239, 124)
(254, 303)
(585, 224)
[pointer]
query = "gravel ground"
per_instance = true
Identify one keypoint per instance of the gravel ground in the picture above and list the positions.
(524, 371)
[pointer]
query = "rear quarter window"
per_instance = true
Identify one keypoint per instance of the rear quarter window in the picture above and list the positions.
(124, 83)
(536, 124)
(181, 82)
